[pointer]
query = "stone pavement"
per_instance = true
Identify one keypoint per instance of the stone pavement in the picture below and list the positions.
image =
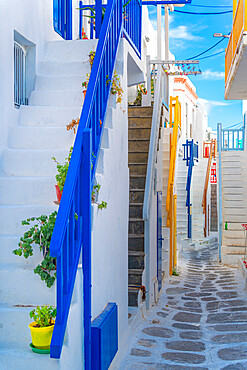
(200, 321)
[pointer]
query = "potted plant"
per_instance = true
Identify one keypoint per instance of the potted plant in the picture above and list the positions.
(39, 234)
(42, 326)
(62, 169)
(85, 85)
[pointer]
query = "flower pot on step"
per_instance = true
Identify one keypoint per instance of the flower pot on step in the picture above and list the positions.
(58, 192)
(41, 336)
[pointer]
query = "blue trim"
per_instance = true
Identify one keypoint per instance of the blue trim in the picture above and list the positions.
(190, 156)
(105, 337)
(62, 18)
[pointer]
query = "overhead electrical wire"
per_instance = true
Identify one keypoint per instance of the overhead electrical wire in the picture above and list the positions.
(210, 6)
(205, 51)
(212, 55)
(217, 13)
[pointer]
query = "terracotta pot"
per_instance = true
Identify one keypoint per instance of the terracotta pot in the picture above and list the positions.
(58, 192)
(84, 93)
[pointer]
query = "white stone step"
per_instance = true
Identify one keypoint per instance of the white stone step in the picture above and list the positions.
(231, 177)
(40, 137)
(60, 82)
(231, 233)
(234, 203)
(48, 116)
(11, 217)
(233, 197)
(25, 163)
(9, 243)
(27, 190)
(61, 68)
(70, 50)
(231, 171)
(73, 98)
(22, 358)
(27, 286)
(233, 211)
(14, 325)
(232, 191)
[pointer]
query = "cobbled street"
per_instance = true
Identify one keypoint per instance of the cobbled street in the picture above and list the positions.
(200, 321)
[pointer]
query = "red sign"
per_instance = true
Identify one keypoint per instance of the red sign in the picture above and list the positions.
(213, 177)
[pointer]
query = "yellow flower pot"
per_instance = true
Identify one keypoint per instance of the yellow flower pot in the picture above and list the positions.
(41, 337)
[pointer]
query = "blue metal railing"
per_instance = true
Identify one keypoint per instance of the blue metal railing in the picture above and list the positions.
(132, 15)
(232, 139)
(190, 156)
(72, 230)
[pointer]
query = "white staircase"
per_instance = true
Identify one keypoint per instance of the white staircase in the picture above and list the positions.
(233, 205)
(182, 216)
(198, 180)
(27, 182)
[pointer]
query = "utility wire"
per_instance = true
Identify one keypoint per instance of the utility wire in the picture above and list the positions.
(204, 52)
(212, 55)
(211, 6)
(180, 11)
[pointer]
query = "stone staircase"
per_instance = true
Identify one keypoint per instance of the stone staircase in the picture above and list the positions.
(233, 205)
(140, 120)
(27, 182)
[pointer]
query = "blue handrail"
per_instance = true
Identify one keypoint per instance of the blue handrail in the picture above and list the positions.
(72, 229)
(190, 156)
(132, 16)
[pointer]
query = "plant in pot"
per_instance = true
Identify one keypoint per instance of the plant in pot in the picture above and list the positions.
(42, 326)
(62, 169)
(85, 84)
(39, 234)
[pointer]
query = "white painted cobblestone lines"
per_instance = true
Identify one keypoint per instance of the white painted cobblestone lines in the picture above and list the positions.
(200, 321)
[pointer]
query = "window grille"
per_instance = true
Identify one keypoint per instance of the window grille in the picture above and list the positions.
(20, 55)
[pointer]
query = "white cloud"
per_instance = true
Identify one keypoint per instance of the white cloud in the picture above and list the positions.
(182, 33)
(212, 75)
(210, 104)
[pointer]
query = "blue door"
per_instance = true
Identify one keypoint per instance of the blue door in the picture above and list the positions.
(159, 239)
(62, 18)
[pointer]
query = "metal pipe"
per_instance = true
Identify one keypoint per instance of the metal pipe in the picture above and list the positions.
(159, 46)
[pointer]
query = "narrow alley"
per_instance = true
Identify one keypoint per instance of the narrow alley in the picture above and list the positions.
(200, 321)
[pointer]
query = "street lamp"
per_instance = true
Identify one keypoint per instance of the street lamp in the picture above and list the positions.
(221, 35)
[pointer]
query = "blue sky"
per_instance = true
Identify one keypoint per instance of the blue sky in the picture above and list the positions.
(191, 35)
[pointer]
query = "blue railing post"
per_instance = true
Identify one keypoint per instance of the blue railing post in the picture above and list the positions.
(86, 247)
(98, 17)
(190, 155)
(219, 134)
(80, 19)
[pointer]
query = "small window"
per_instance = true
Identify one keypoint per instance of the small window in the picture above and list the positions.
(20, 65)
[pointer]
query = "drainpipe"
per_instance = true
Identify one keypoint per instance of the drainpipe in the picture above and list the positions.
(159, 45)
(219, 134)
